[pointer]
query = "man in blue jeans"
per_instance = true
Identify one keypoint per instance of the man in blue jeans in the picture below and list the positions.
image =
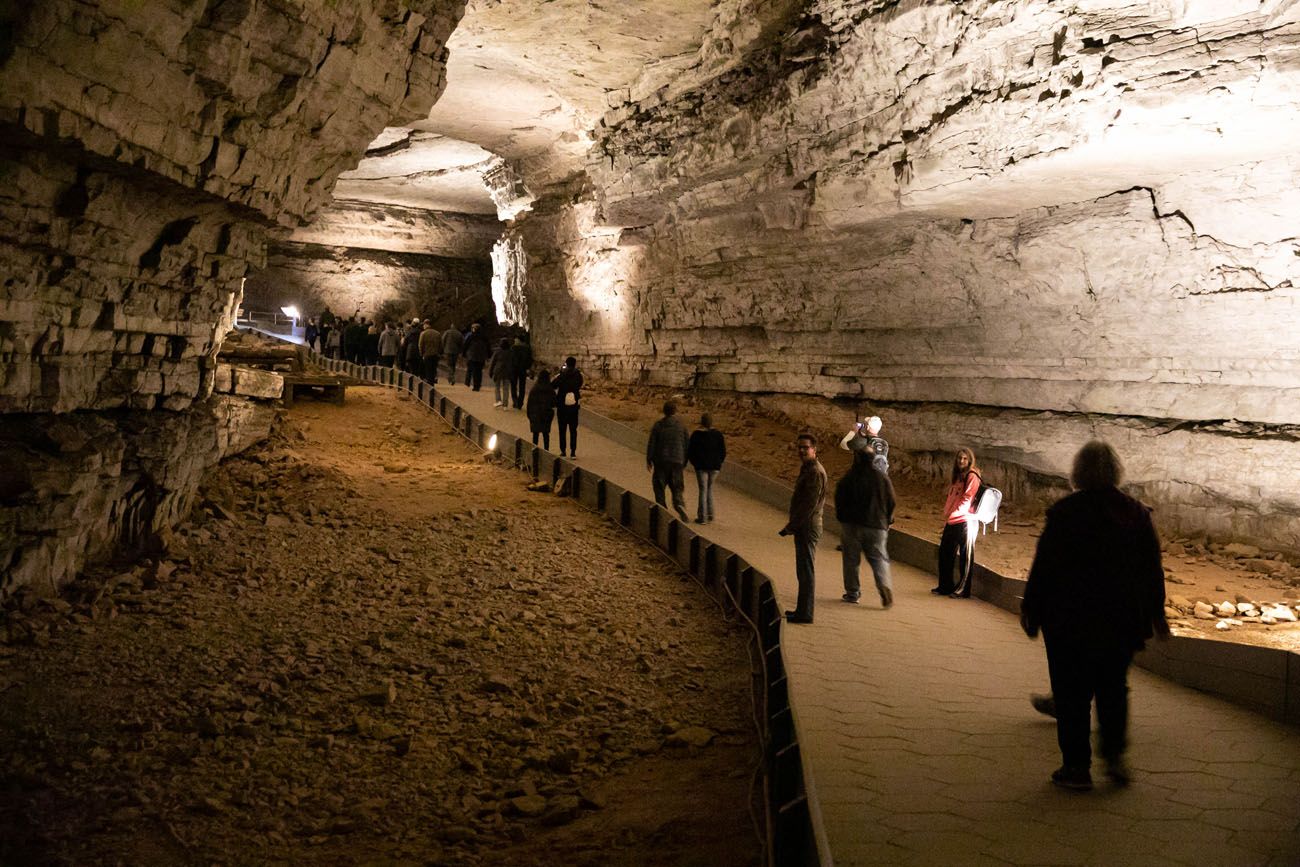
(864, 506)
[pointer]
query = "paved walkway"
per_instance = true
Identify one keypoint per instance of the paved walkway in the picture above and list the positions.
(920, 745)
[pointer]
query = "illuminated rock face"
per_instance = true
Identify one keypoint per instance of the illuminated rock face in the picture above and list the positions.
(1087, 210)
(146, 149)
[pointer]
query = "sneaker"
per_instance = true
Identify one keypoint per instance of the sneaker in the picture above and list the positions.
(1074, 779)
(1044, 704)
(497, 403)
(851, 597)
(939, 592)
(796, 617)
(1118, 773)
(886, 598)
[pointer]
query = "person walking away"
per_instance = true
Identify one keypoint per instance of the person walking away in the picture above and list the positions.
(865, 437)
(312, 334)
(706, 451)
(568, 398)
(1096, 589)
(957, 543)
(333, 342)
(411, 349)
(371, 344)
(476, 355)
(389, 343)
(864, 506)
(429, 345)
(452, 344)
(541, 408)
(521, 357)
(665, 457)
(805, 524)
(501, 369)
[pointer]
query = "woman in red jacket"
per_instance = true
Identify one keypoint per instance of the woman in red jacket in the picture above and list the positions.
(957, 544)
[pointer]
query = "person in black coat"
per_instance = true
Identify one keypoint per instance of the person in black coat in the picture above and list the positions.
(864, 506)
(476, 351)
(706, 452)
(568, 398)
(521, 358)
(1096, 589)
(541, 408)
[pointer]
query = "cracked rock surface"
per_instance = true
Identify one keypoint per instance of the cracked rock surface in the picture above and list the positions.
(338, 664)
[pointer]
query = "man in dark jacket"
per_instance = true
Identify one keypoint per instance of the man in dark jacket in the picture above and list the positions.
(665, 457)
(477, 350)
(521, 357)
(452, 343)
(430, 344)
(706, 451)
(864, 506)
(568, 397)
(1097, 591)
(805, 524)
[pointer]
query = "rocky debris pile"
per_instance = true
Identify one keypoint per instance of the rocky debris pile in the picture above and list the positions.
(1233, 555)
(1229, 613)
(252, 349)
(300, 677)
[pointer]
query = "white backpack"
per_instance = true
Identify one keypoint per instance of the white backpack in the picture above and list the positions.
(987, 501)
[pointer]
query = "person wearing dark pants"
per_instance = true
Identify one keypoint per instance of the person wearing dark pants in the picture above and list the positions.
(541, 408)
(805, 524)
(521, 363)
(957, 544)
(864, 506)
(430, 343)
(452, 343)
(477, 350)
(665, 457)
(1096, 589)
(568, 398)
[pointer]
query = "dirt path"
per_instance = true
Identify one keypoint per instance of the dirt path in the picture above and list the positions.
(368, 645)
(763, 441)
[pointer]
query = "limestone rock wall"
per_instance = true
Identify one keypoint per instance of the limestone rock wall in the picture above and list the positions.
(78, 487)
(1009, 208)
(146, 149)
(374, 282)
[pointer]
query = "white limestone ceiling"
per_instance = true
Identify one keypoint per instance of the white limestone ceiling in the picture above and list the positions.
(528, 81)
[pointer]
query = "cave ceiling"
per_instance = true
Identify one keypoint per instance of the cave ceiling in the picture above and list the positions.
(527, 82)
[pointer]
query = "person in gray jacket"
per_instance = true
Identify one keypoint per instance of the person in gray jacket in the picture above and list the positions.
(452, 343)
(665, 456)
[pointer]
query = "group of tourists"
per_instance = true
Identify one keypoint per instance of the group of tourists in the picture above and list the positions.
(669, 450)
(1095, 589)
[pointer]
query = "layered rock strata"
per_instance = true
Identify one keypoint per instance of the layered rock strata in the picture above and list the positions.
(971, 211)
(79, 487)
(147, 149)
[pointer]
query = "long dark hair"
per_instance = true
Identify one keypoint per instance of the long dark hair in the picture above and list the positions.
(956, 464)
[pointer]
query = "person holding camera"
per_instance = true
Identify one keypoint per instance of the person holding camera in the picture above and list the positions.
(865, 438)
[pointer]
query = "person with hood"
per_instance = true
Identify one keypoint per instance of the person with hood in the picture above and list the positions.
(521, 355)
(541, 408)
(568, 397)
(501, 369)
(452, 344)
(476, 355)
(957, 543)
(665, 457)
(1096, 589)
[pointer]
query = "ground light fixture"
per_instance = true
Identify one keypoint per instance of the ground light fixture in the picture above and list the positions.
(492, 443)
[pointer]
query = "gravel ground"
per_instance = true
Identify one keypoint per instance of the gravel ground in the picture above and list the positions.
(370, 646)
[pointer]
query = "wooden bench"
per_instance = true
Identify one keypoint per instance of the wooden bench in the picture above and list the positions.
(329, 387)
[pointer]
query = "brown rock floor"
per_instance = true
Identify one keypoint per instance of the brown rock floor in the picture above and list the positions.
(377, 648)
(762, 439)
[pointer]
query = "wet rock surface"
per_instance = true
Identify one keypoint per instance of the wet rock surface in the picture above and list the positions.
(333, 664)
